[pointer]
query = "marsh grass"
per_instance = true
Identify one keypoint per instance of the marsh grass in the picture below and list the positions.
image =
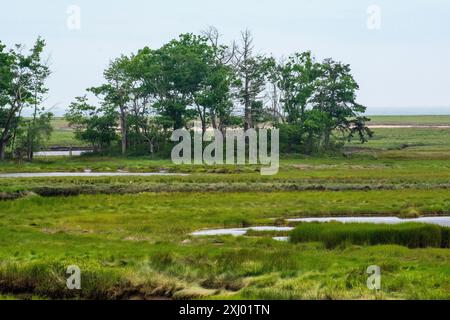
(328, 174)
(134, 246)
(334, 234)
(130, 244)
(420, 120)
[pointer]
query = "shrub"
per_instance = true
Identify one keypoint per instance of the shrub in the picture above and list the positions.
(445, 243)
(411, 235)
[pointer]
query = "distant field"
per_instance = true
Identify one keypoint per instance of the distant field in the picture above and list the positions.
(385, 138)
(408, 139)
(63, 135)
(60, 124)
(411, 120)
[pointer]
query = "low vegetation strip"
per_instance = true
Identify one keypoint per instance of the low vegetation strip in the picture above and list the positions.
(86, 189)
(411, 235)
(72, 190)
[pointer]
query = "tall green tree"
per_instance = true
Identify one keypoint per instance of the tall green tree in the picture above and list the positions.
(186, 79)
(335, 97)
(8, 112)
(195, 77)
(91, 124)
(116, 92)
(39, 126)
(22, 84)
(184, 66)
(32, 133)
(297, 80)
(213, 97)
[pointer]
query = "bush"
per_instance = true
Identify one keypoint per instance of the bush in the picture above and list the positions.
(445, 237)
(291, 139)
(411, 235)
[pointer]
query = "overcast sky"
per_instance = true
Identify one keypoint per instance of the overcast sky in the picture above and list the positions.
(399, 57)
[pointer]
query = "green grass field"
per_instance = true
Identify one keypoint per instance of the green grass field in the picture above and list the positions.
(130, 236)
(140, 244)
(424, 120)
(63, 135)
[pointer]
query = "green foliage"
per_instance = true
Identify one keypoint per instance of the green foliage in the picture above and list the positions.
(96, 126)
(336, 99)
(194, 77)
(297, 80)
(320, 100)
(32, 134)
(411, 235)
(182, 69)
(22, 85)
(291, 138)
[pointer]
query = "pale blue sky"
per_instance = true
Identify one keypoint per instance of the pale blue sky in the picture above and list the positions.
(402, 68)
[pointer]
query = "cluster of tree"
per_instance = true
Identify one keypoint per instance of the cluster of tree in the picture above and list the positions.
(318, 101)
(22, 85)
(196, 78)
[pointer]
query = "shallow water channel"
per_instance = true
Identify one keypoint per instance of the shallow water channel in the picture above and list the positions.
(85, 174)
(237, 231)
(442, 221)
(73, 153)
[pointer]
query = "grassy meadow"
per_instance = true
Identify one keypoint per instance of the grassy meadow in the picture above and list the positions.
(424, 120)
(63, 135)
(131, 236)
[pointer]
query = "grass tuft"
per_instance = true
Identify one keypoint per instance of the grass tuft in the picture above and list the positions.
(411, 235)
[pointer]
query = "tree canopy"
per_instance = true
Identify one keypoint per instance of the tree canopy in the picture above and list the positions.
(197, 78)
(191, 81)
(22, 85)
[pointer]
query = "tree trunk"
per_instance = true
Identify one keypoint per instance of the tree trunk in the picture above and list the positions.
(247, 107)
(326, 140)
(246, 55)
(202, 114)
(123, 130)
(29, 145)
(31, 131)
(5, 134)
(151, 147)
(309, 143)
(2, 150)
(214, 120)
(3, 142)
